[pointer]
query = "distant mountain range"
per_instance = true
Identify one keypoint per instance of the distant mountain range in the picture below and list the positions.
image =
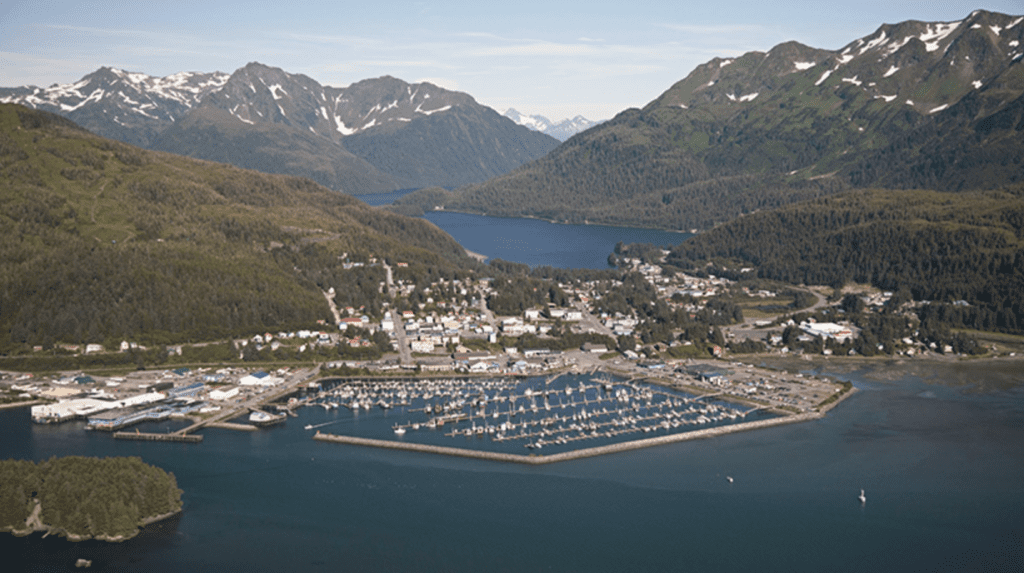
(377, 134)
(561, 130)
(935, 105)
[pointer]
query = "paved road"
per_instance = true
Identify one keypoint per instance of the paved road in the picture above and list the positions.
(404, 352)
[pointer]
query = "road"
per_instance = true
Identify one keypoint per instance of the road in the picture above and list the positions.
(747, 330)
(404, 352)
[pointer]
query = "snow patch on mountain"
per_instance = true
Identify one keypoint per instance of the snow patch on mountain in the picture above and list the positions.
(936, 33)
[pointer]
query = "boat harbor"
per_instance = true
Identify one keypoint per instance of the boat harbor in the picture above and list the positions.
(575, 412)
(519, 417)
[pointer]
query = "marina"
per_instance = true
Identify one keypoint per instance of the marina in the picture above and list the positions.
(565, 416)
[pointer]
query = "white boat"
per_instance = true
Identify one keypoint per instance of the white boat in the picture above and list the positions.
(261, 418)
(862, 498)
(399, 430)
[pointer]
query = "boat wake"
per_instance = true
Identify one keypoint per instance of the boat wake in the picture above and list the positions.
(315, 426)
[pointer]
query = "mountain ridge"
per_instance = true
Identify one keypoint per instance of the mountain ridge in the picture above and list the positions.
(176, 114)
(766, 129)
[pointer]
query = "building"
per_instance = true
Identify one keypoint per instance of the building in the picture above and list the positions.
(225, 394)
(423, 346)
(827, 330)
(260, 379)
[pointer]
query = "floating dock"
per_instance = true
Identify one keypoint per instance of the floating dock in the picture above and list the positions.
(576, 454)
(150, 437)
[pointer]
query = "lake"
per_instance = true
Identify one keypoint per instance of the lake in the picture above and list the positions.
(936, 449)
(535, 242)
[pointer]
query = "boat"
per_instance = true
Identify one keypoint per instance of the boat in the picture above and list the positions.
(399, 430)
(862, 498)
(261, 418)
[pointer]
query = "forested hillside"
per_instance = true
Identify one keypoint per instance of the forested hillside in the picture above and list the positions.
(963, 250)
(104, 241)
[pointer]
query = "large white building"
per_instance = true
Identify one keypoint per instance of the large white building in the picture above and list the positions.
(827, 330)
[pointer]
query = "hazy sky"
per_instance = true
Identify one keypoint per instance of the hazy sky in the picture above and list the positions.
(549, 57)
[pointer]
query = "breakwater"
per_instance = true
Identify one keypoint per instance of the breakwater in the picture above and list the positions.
(150, 437)
(576, 454)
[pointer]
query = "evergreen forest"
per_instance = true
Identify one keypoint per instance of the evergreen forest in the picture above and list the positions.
(83, 497)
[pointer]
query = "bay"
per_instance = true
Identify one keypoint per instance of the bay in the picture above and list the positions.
(535, 242)
(941, 464)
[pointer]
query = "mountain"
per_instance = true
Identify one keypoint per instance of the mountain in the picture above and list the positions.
(378, 134)
(561, 130)
(126, 106)
(913, 105)
(105, 242)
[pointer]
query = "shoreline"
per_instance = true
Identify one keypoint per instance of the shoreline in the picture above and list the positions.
(48, 530)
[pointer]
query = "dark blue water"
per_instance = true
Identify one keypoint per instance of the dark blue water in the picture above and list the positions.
(942, 466)
(535, 242)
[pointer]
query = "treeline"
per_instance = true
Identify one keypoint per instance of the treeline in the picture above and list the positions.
(940, 247)
(82, 497)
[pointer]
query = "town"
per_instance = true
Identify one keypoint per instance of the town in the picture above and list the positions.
(645, 321)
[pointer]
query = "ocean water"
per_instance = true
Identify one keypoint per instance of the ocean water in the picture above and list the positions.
(941, 464)
(535, 242)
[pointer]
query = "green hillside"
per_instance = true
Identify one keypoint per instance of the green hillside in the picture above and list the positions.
(105, 241)
(964, 251)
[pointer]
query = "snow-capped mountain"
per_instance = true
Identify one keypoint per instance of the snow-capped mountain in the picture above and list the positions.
(561, 130)
(914, 105)
(373, 135)
(128, 106)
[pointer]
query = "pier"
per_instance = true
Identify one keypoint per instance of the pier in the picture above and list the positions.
(573, 455)
(232, 426)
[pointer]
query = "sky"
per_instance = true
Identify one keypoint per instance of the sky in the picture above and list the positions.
(553, 58)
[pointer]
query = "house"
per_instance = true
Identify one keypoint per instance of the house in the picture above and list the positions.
(350, 321)
(594, 348)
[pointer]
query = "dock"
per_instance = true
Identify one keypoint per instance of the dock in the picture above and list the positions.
(232, 426)
(573, 455)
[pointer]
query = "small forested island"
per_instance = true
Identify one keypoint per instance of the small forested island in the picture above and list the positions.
(83, 498)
